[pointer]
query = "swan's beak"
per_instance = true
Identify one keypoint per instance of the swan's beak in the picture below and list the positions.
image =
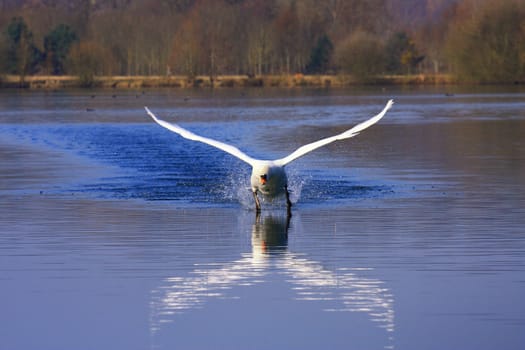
(263, 179)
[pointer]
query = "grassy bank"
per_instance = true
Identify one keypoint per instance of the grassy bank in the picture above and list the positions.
(140, 82)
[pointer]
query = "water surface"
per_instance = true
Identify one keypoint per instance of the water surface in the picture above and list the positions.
(116, 233)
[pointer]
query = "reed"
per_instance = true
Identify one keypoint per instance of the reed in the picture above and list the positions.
(223, 81)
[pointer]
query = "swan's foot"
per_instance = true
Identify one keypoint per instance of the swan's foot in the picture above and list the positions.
(257, 202)
(288, 202)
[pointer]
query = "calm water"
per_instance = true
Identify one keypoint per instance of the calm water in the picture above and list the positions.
(117, 234)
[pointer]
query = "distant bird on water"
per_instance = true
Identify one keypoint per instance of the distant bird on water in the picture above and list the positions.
(268, 176)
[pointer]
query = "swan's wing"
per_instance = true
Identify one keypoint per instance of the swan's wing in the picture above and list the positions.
(301, 151)
(191, 136)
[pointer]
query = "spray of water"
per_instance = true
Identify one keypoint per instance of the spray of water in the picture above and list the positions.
(237, 189)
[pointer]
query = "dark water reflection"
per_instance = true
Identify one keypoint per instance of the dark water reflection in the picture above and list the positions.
(117, 234)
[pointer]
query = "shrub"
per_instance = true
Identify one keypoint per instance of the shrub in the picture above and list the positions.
(487, 46)
(362, 55)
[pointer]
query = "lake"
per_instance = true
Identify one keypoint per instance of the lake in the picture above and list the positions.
(118, 234)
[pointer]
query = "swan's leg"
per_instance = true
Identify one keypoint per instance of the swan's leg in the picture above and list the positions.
(257, 203)
(288, 201)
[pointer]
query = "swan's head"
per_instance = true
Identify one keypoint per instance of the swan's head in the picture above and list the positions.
(262, 174)
(263, 179)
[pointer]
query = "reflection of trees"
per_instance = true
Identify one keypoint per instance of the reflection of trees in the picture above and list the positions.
(344, 289)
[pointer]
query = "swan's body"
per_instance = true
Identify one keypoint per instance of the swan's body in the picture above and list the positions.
(269, 179)
(268, 176)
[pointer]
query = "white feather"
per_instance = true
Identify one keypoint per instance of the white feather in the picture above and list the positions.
(301, 151)
(191, 136)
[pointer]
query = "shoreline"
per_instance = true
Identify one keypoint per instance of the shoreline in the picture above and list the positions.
(222, 81)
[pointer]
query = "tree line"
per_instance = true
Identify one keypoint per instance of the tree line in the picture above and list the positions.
(475, 40)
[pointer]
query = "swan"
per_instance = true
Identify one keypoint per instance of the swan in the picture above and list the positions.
(268, 177)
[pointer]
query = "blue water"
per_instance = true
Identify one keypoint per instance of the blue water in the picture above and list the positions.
(116, 233)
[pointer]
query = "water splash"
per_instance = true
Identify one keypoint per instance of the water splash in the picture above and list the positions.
(237, 188)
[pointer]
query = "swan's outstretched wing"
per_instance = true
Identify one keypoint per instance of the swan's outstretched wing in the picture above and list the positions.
(191, 136)
(301, 151)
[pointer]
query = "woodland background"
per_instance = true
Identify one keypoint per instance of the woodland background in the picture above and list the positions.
(473, 40)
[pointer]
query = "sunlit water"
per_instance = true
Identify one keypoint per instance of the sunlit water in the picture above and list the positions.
(116, 233)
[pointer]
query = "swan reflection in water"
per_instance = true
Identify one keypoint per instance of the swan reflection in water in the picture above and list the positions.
(308, 279)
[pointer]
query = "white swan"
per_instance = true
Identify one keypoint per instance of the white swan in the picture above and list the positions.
(268, 176)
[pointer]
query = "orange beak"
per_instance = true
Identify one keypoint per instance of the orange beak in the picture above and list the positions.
(263, 179)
